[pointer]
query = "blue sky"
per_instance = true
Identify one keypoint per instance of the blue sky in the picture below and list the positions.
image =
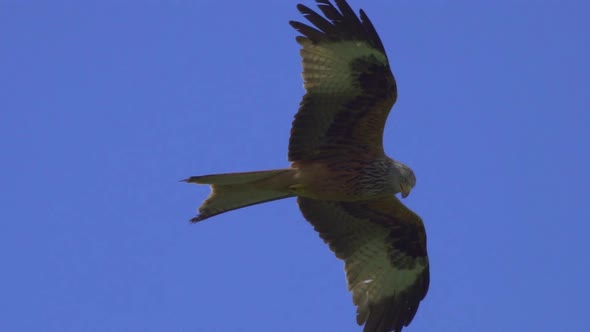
(105, 106)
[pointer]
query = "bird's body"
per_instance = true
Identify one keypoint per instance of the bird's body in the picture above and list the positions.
(348, 180)
(344, 182)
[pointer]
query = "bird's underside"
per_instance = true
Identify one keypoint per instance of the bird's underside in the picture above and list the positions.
(344, 183)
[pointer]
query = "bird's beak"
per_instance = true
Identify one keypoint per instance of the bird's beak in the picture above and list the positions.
(405, 191)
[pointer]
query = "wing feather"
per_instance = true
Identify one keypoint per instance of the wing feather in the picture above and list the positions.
(349, 84)
(383, 245)
(321, 23)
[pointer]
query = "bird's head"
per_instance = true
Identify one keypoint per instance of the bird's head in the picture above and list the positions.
(407, 179)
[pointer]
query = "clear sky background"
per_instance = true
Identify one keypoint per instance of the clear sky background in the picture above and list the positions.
(104, 106)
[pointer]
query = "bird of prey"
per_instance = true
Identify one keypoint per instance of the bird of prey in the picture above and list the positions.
(344, 182)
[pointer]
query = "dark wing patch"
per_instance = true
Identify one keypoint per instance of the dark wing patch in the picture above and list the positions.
(350, 87)
(383, 245)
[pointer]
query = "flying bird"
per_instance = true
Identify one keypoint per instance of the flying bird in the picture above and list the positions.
(344, 182)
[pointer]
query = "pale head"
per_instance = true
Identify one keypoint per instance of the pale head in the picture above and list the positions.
(406, 179)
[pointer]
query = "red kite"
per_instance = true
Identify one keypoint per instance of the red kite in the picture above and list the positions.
(344, 182)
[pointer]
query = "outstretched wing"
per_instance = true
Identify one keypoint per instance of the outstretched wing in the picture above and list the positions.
(350, 87)
(383, 245)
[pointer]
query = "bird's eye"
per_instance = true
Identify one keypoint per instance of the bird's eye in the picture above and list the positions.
(403, 179)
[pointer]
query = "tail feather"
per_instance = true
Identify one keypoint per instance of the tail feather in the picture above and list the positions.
(232, 191)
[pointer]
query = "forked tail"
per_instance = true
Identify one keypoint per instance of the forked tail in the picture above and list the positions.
(232, 191)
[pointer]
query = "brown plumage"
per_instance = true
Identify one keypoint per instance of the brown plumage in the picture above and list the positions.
(344, 183)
